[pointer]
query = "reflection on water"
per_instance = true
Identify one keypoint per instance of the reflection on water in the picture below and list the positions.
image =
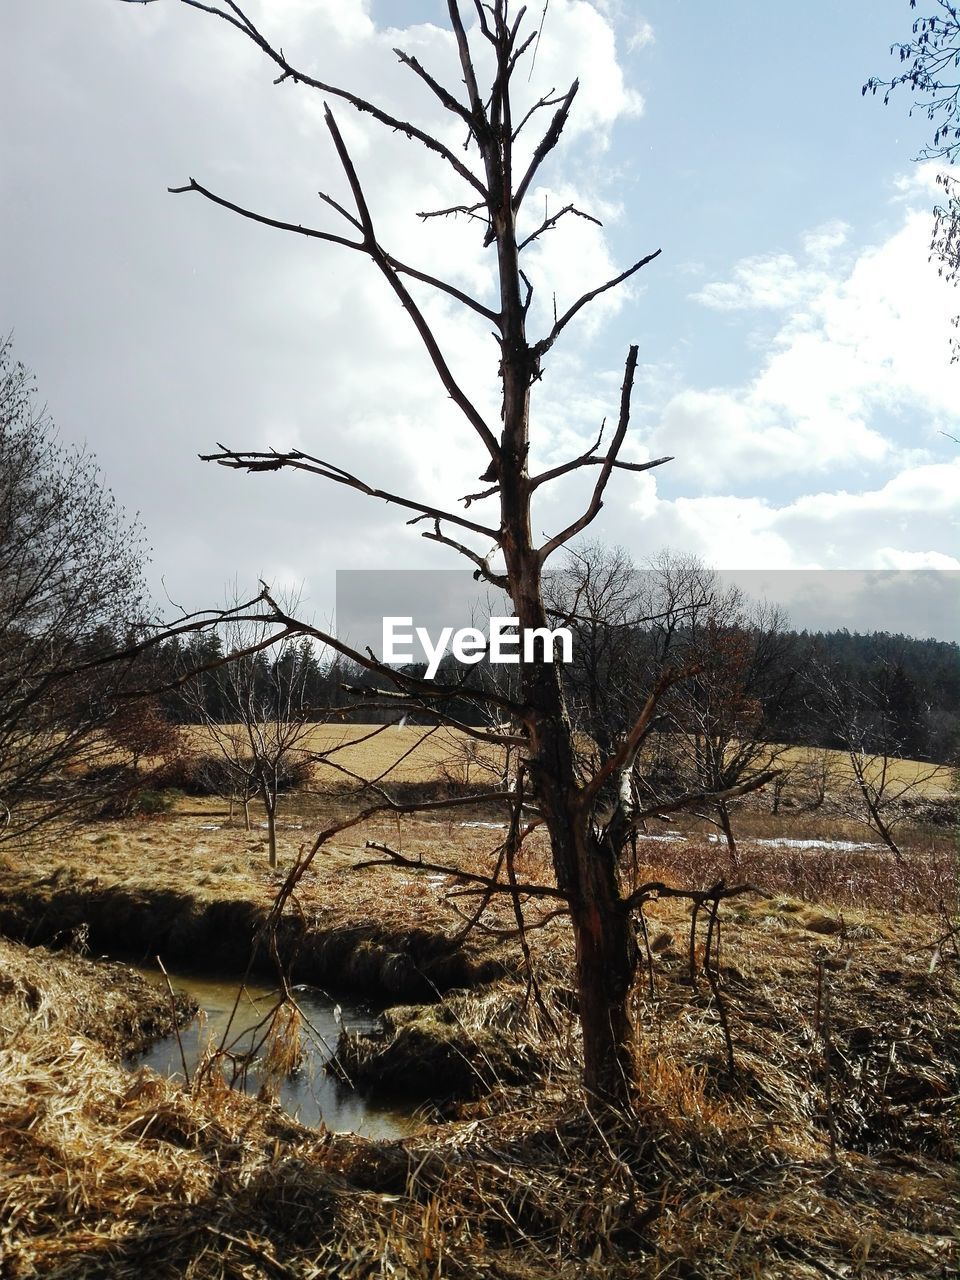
(310, 1095)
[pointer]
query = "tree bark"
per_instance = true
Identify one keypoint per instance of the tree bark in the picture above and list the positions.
(727, 829)
(270, 806)
(587, 873)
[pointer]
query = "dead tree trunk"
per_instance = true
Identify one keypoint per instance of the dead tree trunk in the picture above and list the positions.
(727, 828)
(585, 849)
(585, 870)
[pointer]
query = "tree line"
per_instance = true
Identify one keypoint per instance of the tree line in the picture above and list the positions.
(780, 669)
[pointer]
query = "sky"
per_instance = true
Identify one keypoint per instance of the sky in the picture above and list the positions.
(793, 337)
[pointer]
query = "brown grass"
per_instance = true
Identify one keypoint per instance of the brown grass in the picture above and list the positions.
(410, 753)
(104, 1172)
(406, 753)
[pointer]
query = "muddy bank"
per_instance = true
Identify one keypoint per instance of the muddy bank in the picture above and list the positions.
(459, 1049)
(108, 1173)
(321, 949)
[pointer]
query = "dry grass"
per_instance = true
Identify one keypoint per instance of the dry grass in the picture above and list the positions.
(931, 781)
(818, 870)
(104, 1172)
(402, 753)
(410, 753)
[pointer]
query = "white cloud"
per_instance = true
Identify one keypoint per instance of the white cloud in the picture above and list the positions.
(723, 438)
(919, 508)
(821, 243)
(579, 41)
(197, 326)
(922, 180)
(772, 281)
(570, 259)
(641, 35)
(892, 558)
(863, 344)
(778, 281)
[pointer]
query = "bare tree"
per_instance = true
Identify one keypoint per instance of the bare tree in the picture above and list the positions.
(712, 732)
(875, 723)
(598, 595)
(818, 774)
(70, 588)
(497, 171)
(720, 719)
(254, 710)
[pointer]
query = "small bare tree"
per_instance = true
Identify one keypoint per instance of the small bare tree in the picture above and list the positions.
(255, 712)
(873, 720)
(720, 718)
(818, 775)
(712, 732)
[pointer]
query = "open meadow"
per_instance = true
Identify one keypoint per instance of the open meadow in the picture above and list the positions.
(412, 753)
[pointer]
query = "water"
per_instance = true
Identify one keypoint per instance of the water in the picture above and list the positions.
(310, 1095)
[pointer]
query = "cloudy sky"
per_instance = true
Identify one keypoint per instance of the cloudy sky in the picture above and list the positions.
(794, 340)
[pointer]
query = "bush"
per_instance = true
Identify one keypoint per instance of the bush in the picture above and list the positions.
(151, 802)
(131, 794)
(201, 774)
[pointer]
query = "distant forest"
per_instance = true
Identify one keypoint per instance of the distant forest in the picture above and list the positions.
(904, 692)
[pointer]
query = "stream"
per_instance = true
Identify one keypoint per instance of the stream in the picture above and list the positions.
(310, 1095)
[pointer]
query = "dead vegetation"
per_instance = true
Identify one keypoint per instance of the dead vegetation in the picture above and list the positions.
(829, 1150)
(108, 1172)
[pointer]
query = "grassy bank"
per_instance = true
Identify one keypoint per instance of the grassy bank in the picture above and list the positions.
(196, 892)
(829, 1149)
(108, 1172)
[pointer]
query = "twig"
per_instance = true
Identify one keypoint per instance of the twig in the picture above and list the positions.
(713, 979)
(822, 1024)
(176, 1021)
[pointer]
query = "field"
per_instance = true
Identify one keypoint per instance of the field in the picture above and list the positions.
(829, 1149)
(408, 753)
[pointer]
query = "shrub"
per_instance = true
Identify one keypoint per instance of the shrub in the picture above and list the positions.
(202, 774)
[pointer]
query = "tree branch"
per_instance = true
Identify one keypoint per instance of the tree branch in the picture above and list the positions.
(382, 260)
(543, 346)
(707, 797)
(627, 750)
(589, 459)
(546, 101)
(549, 223)
(257, 460)
(478, 120)
(297, 228)
(444, 287)
(546, 143)
(607, 465)
(657, 889)
(397, 859)
(482, 562)
(469, 209)
(400, 701)
(359, 104)
(444, 96)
